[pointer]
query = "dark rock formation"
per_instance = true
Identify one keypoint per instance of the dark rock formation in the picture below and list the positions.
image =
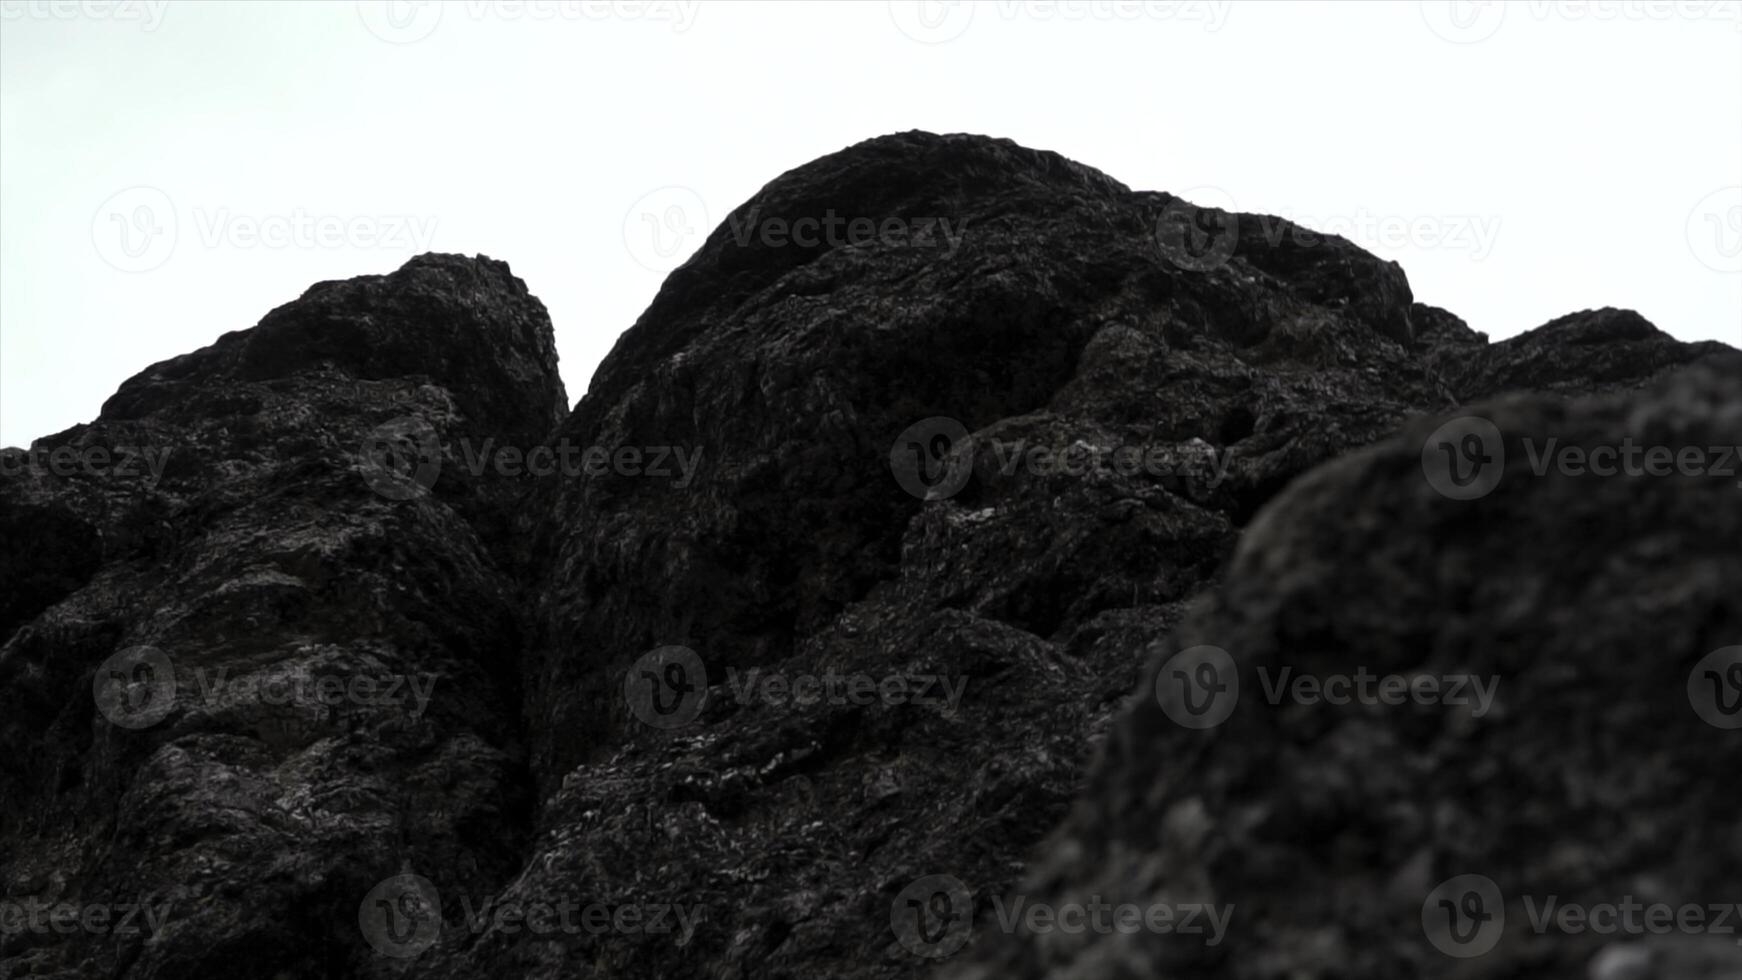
(1581, 607)
(972, 437)
(227, 545)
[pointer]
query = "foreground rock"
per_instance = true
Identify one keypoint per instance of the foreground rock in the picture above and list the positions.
(1588, 762)
(962, 478)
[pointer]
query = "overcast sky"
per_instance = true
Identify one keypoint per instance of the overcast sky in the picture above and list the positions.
(171, 171)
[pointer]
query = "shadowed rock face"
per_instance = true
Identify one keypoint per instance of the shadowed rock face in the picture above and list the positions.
(251, 805)
(1586, 606)
(1129, 382)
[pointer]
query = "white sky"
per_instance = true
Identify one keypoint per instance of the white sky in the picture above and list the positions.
(1520, 162)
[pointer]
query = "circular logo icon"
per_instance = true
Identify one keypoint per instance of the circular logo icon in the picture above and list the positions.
(1464, 458)
(931, 21)
(1463, 21)
(1715, 688)
(400, 21)
(402, 458)
(933, 916)
(402, 916)
(933, 458)
(667, 687)
(1198, 238)
(1198, 687)
(665, 227)
(1715, 230)
(136, 687)
(135, 229)
(1464, 916)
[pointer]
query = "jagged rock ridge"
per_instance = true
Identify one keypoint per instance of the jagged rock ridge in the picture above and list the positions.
(284, 540)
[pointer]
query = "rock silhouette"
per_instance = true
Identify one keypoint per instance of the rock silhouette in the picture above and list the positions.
(836, 608)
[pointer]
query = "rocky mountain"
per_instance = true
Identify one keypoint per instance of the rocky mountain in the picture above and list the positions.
(859, 602)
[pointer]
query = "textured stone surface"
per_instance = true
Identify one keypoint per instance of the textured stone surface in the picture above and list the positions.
(1590, 777)
(1184, 365)
(257, 818)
